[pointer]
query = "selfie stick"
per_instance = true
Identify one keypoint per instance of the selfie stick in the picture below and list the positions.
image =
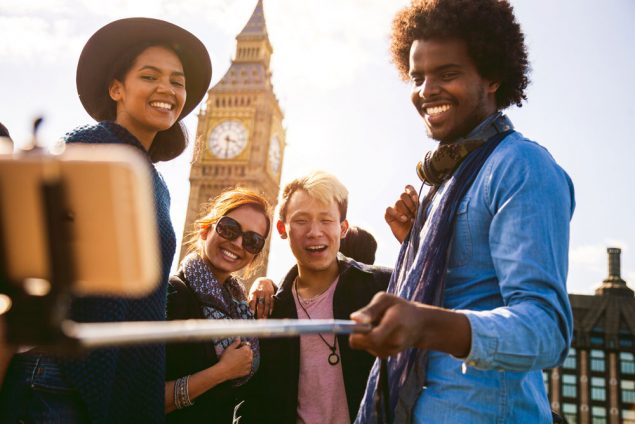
(98, 335)
(36, 310)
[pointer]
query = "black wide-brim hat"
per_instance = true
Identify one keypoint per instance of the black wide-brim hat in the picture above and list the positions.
(105, 47)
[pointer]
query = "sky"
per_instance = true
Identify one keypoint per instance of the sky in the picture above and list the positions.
(347, 111)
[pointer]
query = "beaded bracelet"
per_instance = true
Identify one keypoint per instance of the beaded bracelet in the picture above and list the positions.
(182, 393)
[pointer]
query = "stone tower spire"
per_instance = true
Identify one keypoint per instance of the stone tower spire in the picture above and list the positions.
(240, 139)
(256, 25)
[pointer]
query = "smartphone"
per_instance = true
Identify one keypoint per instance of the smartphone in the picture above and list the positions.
(108, 196)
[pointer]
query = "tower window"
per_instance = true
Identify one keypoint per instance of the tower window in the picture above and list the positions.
(569, 388)
(598, 362)
(570, 412)
(570, 361)
(627, 363)
(598, 388)
(598, 415)
(628, 391)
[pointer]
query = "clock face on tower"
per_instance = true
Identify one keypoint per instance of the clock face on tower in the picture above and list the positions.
(274, 154)
(227, 139)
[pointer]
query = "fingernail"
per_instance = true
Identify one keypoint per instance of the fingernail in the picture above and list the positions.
(360, 317)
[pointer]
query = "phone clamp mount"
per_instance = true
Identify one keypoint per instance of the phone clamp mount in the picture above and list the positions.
(34, 309)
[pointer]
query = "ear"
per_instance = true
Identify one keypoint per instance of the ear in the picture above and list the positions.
(343, 228)
(282, 230)
(493, 87)
(115, 89)
(203, 233)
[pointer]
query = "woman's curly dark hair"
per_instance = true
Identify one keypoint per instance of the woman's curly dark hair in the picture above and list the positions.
(494, 40)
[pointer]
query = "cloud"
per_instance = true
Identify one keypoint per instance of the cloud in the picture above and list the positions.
(325, 45)
(35, 39)
(318, 45)
(46, 31)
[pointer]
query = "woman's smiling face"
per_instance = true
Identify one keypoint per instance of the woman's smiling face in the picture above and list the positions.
(152, 94)
(225, 256)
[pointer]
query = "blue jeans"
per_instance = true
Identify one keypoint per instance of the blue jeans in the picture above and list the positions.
(34, 391)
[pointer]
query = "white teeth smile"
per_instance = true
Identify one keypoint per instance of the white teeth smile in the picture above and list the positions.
(316, 248)
(161, 105)
(229, 254)
(435, 110)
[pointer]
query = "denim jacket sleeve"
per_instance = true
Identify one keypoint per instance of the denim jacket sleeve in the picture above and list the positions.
(531, 201)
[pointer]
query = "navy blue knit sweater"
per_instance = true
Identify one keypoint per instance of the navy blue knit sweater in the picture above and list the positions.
(122, 385)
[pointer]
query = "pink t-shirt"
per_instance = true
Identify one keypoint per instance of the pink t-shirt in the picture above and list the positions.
(321, 393)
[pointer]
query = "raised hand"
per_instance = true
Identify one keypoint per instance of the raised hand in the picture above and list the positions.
(401, 215)
(261, 297)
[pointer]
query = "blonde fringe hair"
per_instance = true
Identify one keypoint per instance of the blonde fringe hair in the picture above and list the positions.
(321, 186)
(220, 206)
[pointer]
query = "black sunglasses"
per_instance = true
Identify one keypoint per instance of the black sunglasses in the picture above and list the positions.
(228, 228)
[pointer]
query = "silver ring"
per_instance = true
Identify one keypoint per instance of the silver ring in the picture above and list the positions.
(260, 300)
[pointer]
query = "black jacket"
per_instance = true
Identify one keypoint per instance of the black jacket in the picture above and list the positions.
(217, 404)
(277, 379)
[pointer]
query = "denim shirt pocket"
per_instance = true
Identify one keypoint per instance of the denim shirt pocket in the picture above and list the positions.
(461, 244)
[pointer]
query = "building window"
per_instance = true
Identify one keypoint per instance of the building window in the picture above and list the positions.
(597, 339)
(598, 415)
(626, 336)
(545, 380)
(569, 385)
(598, 388)
(628, 391)
(628, 416)
(570, 412)
(627, 363)
(597, 360)
(570, 361)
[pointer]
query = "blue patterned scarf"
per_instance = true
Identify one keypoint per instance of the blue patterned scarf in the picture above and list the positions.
(220, 301)
(419, 276)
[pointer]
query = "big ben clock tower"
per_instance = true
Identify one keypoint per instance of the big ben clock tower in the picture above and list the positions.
(240, 139)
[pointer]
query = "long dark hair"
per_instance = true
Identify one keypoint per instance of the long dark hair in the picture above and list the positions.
(167, 144)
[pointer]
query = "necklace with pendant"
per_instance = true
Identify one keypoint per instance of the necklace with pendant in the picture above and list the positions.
(333, 358)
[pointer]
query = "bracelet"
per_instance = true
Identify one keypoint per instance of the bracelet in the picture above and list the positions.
(182, 393)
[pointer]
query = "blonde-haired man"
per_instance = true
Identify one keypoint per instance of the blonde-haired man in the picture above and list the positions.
(317, 379)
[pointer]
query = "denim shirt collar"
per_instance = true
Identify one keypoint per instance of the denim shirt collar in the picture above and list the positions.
(495, 123)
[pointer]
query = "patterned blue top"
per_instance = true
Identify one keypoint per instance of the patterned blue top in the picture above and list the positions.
(124, 384)
(507, 271)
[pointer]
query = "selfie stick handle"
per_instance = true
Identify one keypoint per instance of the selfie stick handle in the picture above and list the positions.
(38, 307)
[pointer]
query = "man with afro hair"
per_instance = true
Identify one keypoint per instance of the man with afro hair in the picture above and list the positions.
(477, 305)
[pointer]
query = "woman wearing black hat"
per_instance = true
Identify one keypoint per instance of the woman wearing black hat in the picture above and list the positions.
(138, 78)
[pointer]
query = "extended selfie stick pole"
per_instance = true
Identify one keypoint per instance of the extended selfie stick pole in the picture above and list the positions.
(97, 335)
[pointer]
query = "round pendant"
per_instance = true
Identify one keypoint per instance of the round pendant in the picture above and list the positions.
(334, 358)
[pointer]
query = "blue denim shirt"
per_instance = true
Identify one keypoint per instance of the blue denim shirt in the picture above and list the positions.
(507, 272)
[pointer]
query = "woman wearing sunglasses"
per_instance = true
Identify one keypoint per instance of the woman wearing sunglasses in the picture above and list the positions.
(206, 381)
